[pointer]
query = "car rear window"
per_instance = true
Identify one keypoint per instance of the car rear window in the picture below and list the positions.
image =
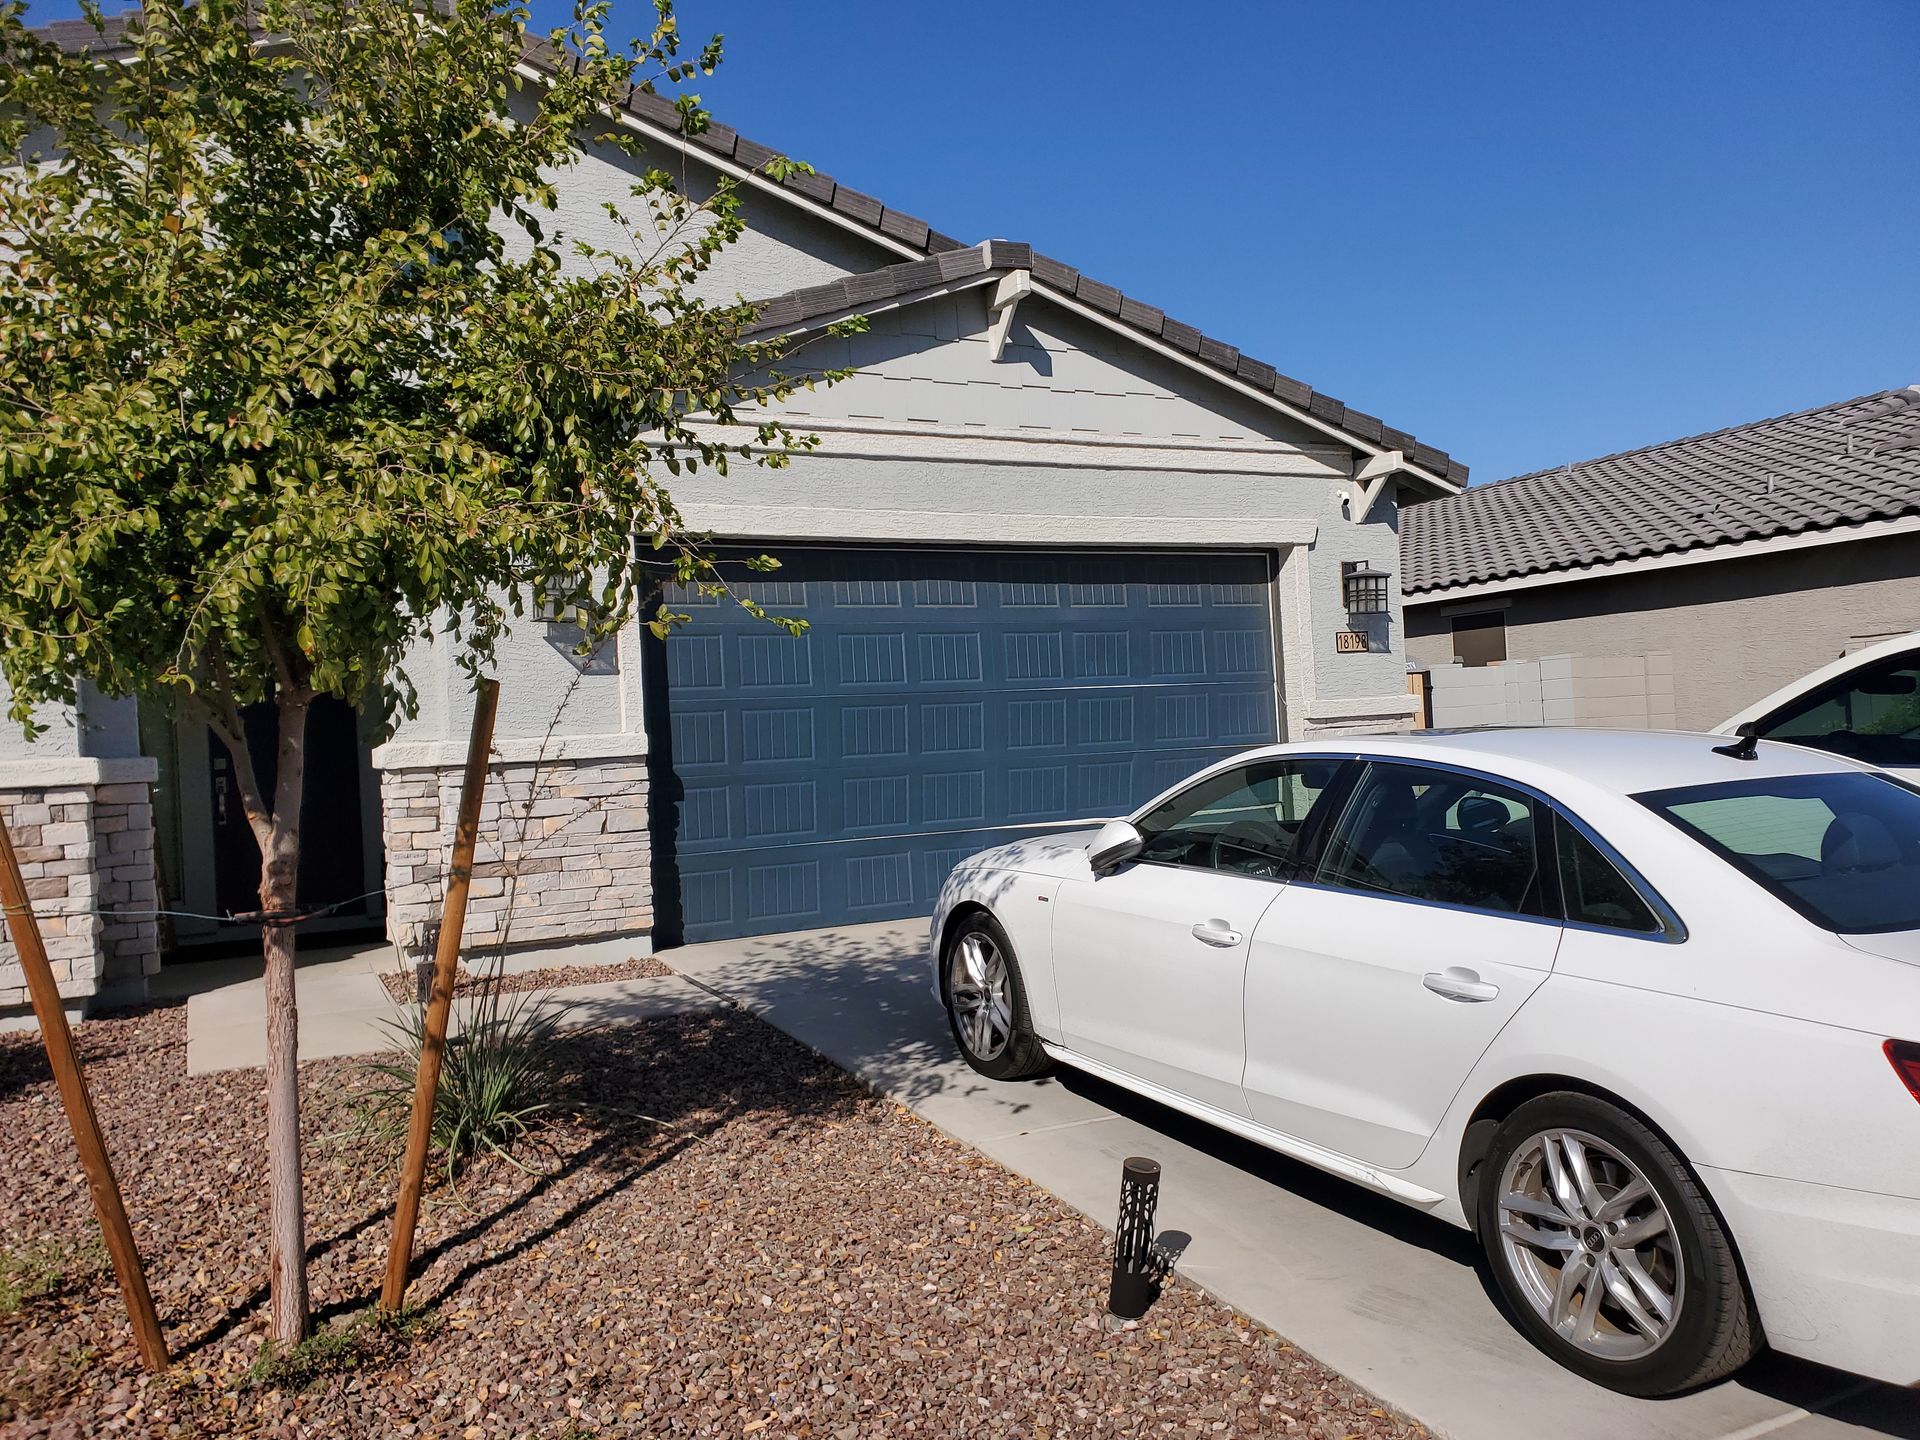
(1842, 849)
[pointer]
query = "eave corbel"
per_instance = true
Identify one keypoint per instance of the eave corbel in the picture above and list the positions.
(1006, 299)
(1369, 480)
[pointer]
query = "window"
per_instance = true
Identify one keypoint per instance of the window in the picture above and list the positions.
(1872, 714)
(1433, 835)
(1480, 639)
(1843, 849)
(1243, 820)
(1594, 890)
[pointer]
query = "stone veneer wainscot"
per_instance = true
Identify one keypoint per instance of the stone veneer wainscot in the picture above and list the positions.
(563, 854)
(83, 832)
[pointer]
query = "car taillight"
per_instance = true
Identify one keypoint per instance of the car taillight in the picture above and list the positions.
(1905, 1056)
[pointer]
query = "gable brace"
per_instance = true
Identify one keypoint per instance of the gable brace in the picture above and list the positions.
(1369, 480)
(1006, 299)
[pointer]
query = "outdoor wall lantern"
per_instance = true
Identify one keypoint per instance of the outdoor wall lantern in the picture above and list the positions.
(1364, 588)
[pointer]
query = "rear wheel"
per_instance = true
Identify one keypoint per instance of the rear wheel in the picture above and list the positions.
(987, 1001)
(1609, 1252)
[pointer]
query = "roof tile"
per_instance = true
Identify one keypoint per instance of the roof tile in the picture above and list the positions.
(905, 227)
(815, 186)
(1149, 318)
(1181, 337)
(1326, 408)
(1218, 352)
(752, 154)
(1100, 297)
(1294, 392)
(1812, 470)
(1051, 272)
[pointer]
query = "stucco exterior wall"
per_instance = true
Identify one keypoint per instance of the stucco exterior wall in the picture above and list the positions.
(1737, 629)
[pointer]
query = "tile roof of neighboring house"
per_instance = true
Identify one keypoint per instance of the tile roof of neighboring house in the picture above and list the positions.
(873, 286)
(827, 193)
(1836, 465)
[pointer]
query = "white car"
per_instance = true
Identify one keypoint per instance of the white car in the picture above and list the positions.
(1640, 1009)
(1865, 705)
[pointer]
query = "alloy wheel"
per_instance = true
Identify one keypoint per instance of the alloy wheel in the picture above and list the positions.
(981, 990)
(1591, 1244)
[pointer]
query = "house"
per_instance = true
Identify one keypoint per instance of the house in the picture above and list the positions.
(1056, 548)
(1671, 585)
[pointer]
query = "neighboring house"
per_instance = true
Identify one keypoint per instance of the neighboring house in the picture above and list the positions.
(1056, 549)
(1672, 585)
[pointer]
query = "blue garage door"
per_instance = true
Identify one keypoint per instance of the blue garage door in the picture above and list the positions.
(939, 703)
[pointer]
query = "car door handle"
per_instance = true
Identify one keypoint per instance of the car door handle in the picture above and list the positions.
(1216, 932)
(1456, 983)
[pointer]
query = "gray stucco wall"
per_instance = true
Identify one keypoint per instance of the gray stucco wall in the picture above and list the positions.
(1737, 629)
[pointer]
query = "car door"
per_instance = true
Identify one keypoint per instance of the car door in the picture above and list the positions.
(1150, 959)
(1375, 986)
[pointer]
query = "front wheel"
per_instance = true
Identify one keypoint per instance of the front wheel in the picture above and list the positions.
(1609, 1252)
(987, 1001)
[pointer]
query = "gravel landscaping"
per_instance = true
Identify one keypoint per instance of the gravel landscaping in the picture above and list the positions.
(401, 987)
(723, 1235)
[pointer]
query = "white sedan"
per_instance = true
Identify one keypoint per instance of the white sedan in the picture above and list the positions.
(1639, 1009)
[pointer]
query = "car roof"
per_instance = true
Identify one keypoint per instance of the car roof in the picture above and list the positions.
(1620, 761)
(1814, 679)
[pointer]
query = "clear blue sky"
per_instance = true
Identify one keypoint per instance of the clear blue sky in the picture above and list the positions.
(1530, 233)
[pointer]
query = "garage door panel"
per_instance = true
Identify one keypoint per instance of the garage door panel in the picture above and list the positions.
(940, 703)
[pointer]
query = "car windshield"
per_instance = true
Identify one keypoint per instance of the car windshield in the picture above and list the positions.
(1842, 849)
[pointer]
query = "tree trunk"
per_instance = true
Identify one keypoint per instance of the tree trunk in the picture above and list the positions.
(279, 869)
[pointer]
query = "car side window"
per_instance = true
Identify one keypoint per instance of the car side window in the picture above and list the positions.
(1242, 821)
(1592, 887)
(1872, 714)
(1435, 835)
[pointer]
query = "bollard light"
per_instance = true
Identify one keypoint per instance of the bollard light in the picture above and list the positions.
(1137, 1265)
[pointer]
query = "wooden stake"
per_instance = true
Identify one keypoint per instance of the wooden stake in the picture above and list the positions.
(78, 1103)
(446, 957)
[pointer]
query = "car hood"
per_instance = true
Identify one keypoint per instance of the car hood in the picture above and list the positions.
(1062, 855)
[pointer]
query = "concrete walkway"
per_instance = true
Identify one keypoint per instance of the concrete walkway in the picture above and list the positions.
(1382, 1293)
(345, 1010)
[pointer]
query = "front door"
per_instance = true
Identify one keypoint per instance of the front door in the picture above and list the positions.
(1150, 960)
(332, 860)
(1375, 987)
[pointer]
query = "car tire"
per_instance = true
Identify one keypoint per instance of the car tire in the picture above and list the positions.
(986, 1000)
(1574, 1190)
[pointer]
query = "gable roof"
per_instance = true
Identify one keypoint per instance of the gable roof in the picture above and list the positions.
(1835, 465)
(914, 236)
(799, 308)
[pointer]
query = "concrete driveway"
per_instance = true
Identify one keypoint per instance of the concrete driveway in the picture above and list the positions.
(1384, 1294)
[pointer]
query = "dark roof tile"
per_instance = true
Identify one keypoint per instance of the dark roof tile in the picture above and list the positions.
(1218, 352)
(815, 186)
(1326, 408)
(909, 228)
(1181, 337)
(1049, 271)
(1009, 255)
(1100, 297)
(752, 154)
(863, 208)
(1256, 373)
(1812, 470)
(1149, 318)
(1293, 391)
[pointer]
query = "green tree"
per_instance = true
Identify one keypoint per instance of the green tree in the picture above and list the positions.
(296, 367)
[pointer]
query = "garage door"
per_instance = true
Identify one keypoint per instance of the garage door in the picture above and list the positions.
(939, 703)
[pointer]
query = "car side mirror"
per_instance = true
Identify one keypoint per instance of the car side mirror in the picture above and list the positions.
(1113, 845)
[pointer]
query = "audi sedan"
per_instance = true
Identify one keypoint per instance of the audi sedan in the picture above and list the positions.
(1641, 1010)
